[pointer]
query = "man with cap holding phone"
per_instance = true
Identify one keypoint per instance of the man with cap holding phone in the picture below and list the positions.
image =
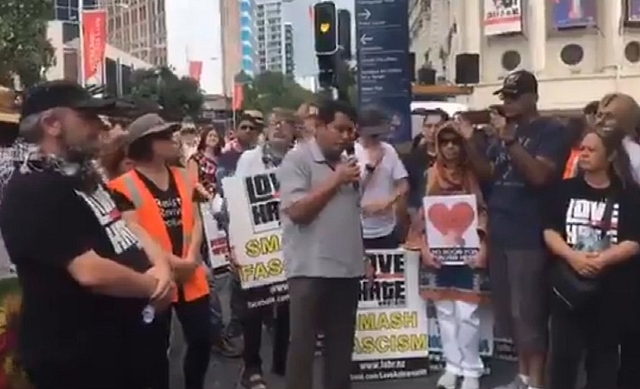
(384, 184)
(85, 276)
(527, 155)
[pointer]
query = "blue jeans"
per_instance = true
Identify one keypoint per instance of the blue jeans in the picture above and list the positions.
(221, 284)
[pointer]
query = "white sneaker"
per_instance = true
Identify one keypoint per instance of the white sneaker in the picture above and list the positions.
(470, 383)
(447, 381)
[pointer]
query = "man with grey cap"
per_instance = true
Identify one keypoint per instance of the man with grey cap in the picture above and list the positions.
(384, 183)
(86, 278)
(159, 199)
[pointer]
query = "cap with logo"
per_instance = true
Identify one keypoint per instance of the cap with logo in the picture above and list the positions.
(149, 124)
(63, 93)
(518, 83)
(372, 121)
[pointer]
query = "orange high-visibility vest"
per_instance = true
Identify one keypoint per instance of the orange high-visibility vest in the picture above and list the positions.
(150, 218)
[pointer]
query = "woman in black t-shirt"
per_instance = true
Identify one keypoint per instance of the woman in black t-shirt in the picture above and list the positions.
(593, 230)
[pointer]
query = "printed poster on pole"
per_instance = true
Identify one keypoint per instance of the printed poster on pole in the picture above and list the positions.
(391, 340)
(215, 235)
(255, 235)
(502, 17)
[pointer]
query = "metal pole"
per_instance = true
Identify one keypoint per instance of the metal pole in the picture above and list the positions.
(80, 50)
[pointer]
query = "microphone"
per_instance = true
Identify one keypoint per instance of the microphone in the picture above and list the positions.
(351, 158)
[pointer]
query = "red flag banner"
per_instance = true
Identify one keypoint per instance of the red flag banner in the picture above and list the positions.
(195, 70)
(238, 96)
(94, 40)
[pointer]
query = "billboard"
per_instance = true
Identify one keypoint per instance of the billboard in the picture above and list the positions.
(574, 13)
(502, 17)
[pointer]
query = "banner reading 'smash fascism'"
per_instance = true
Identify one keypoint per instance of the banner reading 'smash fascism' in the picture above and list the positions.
(256, 236)
(391, 339)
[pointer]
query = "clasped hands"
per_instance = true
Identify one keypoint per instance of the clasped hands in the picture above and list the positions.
(587, 264)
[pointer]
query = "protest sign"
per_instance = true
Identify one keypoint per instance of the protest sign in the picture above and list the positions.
(256, 236)
(451, 228)
(215, 235)
(391, 325)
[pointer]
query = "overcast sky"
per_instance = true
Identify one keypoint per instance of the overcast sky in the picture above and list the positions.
(297, 12)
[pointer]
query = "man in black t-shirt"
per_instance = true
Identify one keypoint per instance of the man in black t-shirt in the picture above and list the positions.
(88, 286)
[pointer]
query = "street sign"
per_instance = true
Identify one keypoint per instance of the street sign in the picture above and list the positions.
(384, 77)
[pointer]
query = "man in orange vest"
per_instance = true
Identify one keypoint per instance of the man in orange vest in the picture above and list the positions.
(159, 199)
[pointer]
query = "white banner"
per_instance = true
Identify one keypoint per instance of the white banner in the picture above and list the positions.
(502, 17)
(256, 236)
(216, 237)
(391, 326)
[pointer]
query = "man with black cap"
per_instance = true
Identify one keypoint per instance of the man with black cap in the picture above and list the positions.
(384, 181)
(527, 156)
(89, 287)
(159, 199)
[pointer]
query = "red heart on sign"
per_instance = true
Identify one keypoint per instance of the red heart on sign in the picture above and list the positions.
(447, 220)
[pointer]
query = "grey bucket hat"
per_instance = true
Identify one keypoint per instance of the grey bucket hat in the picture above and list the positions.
(149, 124)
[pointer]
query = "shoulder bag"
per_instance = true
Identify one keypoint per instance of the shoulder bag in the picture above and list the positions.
(571, 290)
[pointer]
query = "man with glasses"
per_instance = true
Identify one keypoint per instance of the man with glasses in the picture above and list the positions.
(280, 137)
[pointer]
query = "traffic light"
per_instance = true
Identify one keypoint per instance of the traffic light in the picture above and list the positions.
(325, 28)
(344, 33)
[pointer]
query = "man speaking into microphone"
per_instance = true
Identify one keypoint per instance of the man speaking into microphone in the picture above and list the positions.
(322, 246)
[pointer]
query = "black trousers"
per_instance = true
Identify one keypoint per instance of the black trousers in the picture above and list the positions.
(596, 332)
(195, 321)
(326, 305)
(252, 327)
(387, 242)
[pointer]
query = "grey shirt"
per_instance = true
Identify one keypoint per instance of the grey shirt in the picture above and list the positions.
(331, 245)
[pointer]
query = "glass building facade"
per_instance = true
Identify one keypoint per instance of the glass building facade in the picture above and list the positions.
(68, 12)
(247, 36)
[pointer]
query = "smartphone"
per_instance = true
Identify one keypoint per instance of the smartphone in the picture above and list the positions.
(499, 108)
(477, 117)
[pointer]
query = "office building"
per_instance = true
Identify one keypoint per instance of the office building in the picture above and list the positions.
(68, 11)
(289, 64)
(247, 36)
(139, 28)
(578, 50)
(272, 36)
(231, 43)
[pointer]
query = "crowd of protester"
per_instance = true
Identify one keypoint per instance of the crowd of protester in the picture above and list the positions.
(101, 218)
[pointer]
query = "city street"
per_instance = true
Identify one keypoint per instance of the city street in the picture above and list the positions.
(225, 373)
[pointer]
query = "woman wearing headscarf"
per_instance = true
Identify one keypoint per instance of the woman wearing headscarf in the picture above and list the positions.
(457, 290)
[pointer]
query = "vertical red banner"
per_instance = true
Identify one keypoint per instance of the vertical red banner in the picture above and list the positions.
(238, 96)
(94, 41)
(195, 70)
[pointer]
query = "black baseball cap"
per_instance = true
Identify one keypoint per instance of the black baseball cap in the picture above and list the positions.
(518, 83)
(62, 93)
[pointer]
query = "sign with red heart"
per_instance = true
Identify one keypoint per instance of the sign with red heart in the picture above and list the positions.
(451, 225)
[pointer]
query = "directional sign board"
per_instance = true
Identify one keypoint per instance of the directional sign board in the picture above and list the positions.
(384, 78)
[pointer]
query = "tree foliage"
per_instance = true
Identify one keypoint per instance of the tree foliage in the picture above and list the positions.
(178, 97)
(25, 50)
(271, 89)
